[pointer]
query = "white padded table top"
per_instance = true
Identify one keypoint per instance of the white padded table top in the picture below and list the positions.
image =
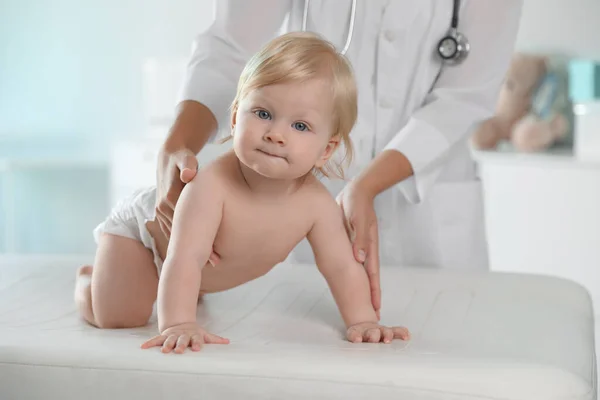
(474, 336)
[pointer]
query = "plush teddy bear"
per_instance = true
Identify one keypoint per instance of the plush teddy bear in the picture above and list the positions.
(531, 112)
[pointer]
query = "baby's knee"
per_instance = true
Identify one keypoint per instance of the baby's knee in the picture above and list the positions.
(120, 322)
(120, 318)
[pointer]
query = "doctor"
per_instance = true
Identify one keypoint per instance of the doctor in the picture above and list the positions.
(414, 198)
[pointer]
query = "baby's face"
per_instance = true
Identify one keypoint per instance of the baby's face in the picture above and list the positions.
(283, 131)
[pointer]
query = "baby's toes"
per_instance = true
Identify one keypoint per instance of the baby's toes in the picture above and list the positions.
(84, 270)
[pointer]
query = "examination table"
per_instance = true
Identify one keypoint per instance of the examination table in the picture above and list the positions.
(475, 335)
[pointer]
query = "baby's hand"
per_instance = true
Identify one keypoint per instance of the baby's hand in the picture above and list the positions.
(180, 337)
(375, 333)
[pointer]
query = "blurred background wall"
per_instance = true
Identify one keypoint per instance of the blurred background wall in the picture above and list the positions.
(87, 90)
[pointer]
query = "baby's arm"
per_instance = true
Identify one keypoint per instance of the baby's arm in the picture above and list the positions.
(195, 224)
(346, 278)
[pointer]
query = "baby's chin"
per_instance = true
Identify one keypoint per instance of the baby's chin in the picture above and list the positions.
(275, 172)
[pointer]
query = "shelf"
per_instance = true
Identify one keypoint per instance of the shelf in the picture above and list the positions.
(559, 156)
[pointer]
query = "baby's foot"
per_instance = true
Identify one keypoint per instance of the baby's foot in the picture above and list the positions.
(83, 294)
(83, 279)
(84, 270)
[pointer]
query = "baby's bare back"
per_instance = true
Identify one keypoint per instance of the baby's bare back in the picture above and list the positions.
(256, 232)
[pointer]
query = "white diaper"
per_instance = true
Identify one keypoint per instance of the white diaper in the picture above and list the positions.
(128, 218)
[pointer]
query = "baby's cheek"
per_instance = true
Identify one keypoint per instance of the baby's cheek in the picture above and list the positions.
(312, 152)
(239, 140)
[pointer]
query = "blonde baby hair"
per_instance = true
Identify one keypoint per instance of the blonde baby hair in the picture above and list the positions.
(300, 56)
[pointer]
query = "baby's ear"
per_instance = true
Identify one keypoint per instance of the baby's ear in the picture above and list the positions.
(332, 146)
(233, 120)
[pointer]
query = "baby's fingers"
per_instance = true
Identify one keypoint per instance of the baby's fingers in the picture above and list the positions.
(197, 341)
(169, 344)
(373, 335)
(182, 343)
(401, 333)
(155, 341)
(214, 339)
(388, 335)
(354, 335)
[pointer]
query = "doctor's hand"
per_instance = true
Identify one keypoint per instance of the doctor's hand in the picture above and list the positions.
(175, 169)
(361, 225)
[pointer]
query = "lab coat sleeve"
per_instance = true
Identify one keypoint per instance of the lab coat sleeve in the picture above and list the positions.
(239, 29)
(463, 95)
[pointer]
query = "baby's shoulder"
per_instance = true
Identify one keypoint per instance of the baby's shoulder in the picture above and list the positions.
(316, 195)
(215, 175)
(321, 206)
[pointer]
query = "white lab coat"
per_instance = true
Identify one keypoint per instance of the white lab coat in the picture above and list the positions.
(408, 102)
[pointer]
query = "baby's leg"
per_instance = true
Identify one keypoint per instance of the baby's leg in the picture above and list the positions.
(123, 284)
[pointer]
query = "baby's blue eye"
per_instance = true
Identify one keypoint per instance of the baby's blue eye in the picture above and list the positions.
(262, 114)
(301, 126)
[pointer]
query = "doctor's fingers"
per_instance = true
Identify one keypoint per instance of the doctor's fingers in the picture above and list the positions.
(164, 215)
(164, 224)
(166, 209)
(360, 236)
(340, 202)
(187, 163)
(372, 267)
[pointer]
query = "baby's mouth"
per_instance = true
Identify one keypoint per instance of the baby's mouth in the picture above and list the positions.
(271, 154)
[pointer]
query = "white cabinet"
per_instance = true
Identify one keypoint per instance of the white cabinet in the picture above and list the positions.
(543, 215)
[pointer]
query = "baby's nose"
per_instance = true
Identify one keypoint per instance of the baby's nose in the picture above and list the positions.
(274, 137)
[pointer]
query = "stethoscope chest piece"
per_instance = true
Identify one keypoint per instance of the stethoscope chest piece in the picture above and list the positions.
(454, 47)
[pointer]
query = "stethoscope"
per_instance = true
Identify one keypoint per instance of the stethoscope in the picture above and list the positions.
(452, 48)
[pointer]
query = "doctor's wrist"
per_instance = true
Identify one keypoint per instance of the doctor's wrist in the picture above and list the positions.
(192, 128)
(365, 187)
(390, 167)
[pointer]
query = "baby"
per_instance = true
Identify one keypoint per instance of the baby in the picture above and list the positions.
(295, 103)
